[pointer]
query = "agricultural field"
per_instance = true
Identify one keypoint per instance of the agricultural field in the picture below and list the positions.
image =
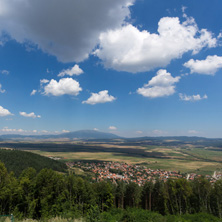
(186, 158)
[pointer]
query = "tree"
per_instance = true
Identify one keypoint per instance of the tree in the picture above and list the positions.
(48, 188)
(216, 198)
(159, 198)
(201, 195)
(8, 185)
(104, 195)
(183, 192)
(172, 197)
(147, 195)
(120, 194)
(133, 195)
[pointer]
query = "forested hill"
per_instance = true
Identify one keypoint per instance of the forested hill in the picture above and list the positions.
(17, 161)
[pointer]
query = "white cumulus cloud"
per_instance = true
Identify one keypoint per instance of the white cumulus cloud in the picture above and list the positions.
(45, 131)
(4, 112)
(192, 98)
(158, 132)
(209, 66)
(112, 128)
(30, 115)
(75, 70)
(129, 49)
(34, 91)
(160, 85)
(65, 131)
(65, 86)
(8, 130)
(139, 132)
(44, 81)
(67, 29)
(193, 132)
(100, 97)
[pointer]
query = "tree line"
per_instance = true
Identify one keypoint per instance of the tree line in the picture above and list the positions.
(47, 194)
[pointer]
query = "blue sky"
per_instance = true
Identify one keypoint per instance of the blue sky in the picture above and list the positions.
(131, 67)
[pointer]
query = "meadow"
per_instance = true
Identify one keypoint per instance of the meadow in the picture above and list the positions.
(168, 155)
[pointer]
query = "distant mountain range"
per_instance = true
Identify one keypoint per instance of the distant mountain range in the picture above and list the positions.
(81, 134)
(88, 134)
(97, 135)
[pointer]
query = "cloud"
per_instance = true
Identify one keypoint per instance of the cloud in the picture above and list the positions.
(5, 72)
(209, 66)
(75, 70)
(192, 98)
(1, 90)
(100, 97)
(44, 81)
(160, 85)
(34, 91)
(112, 128)
(30, 115)
(184, 9)
(193, 132)
(4, 112)
(157, 132)
(139, 132)
(45, 131)
(65, 86)
(65, 131)
(131, 50)
(96, 129)
(68, 30)
(8, 130)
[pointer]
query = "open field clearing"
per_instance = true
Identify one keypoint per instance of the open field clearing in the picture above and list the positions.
(205, 154)
(103, 156)
(203, 160)
(200, 167)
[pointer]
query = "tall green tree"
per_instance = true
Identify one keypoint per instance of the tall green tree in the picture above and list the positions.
(200, 198)
(172, 197)
(159, 198)
(25, 193)
(147, 192)
(133, 195)
(48, 188)
(8, 190)
(120, 194)
(216, 198)
(105, 196)
(183, 193)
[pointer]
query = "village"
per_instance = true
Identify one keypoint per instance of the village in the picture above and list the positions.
(139, 174)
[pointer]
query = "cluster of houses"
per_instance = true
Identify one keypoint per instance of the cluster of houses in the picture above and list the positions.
(139, 174)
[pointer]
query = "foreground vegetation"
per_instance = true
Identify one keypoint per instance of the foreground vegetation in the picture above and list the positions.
(130, 215)
(47, 194)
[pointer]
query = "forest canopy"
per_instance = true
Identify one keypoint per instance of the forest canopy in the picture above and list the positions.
(47, 194)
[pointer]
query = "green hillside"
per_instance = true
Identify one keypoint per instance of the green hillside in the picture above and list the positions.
(17, 161)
